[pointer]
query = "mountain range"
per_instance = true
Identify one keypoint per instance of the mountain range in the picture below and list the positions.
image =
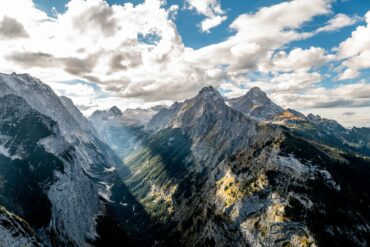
(207, 171)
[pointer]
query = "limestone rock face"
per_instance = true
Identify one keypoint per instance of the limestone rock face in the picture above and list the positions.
(50, 153)
(256, 104)
(14, 231)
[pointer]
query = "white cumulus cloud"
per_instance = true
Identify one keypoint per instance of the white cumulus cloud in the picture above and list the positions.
(211, 9)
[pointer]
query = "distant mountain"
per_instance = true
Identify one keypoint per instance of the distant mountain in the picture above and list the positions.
(256, 104)
(326, 131)
(115, 116)
(122, 129)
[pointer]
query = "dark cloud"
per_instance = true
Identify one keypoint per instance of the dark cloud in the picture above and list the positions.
(77, 66)
(333, 103)
(33, 59)
(100, 16)
(72, 65)
(342, 103)
(348, 113)
(93, 79)
(10, 28)
(126, 60)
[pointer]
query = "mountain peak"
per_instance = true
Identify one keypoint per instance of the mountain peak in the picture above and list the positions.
(209, 94)
(256, 92)
(115, 111)
(255, 103)
(209, 90)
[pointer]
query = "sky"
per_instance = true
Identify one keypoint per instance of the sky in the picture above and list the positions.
(312, 56)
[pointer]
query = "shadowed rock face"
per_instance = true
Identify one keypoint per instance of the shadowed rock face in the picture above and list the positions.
(37, 181)
(14, 231)
(48, 157)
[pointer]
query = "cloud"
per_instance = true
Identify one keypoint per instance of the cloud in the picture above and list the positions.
(355, 51)
(33, 59)
(212, 22)
(10, 28)
(211, 9)
(349, 74)
(88, 17)
(349, 95)
(349, 113)
(296, 59)
(73, 89)
(258, 34)
(337, 22)
(135, 51)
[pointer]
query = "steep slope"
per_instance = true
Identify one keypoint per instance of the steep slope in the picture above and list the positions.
(83, 122)
(256, 104)
(40, 97)
(80, 195)
(42, 179)
(74, 129)
(14, 231)
(176, 158)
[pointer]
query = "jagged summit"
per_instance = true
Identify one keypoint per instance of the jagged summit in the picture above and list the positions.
(209, 93)
(255, 92)
(208, 90)
(256, 104)
(115, 111)
(205, 112)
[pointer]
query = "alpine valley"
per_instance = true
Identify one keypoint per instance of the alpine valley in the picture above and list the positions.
(208, 171)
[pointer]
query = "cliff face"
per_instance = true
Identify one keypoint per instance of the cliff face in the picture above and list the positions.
(50, 155)
(42, 175)
(14, 231)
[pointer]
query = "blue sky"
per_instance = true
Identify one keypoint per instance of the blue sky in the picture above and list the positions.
(311, 55)
(188, 20)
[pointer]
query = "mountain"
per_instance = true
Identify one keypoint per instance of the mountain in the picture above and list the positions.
(199, 173)
(219, 178)
(122, 129)
(40, 97)
(256, 104)
(114, 115)
(140, 116)
(54, 169)
(83, 122)
(44, 186)
(326, 131)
